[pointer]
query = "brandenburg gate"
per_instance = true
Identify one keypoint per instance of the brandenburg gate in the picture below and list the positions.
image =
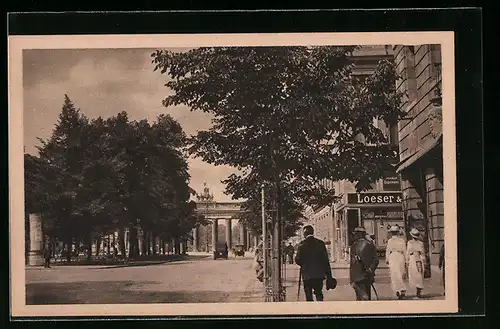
(213, 212)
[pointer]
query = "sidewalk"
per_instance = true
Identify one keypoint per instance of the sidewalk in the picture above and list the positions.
(433, 288)
(141, 261)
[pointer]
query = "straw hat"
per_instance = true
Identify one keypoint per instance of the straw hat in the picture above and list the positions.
(394, 229)
(415, 233)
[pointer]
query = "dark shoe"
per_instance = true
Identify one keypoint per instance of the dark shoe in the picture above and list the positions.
(419, 293)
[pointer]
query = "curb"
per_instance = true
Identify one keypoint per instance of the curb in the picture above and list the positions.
(110, 265)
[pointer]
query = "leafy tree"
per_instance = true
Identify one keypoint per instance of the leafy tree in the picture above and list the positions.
(286, 116)
(63, 153)
(96, 176)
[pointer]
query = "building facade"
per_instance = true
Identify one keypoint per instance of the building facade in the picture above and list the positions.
(376, 209)
(420, 144)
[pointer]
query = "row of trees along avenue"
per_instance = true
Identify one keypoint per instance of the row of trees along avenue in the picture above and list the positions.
(286, 117)
(94, 177)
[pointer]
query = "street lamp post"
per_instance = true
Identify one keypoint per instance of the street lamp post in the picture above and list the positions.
(264, 236)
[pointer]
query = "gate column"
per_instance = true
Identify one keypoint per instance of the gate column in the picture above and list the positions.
(229, 232)
(215, 233)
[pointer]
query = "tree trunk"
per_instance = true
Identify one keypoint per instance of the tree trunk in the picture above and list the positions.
(153, 242)
(89, 244)
(69, 247)
(109, 244)
(133, 242)
(144, 243)
(97, 245)
(177, 248)
(121, 241)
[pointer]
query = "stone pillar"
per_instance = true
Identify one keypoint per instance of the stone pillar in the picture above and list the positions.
(229, 232)
(140, 237)
(413, 202)
(243, 236)
(215, 233)
(35, 257)
(435, 213)
(195, 239)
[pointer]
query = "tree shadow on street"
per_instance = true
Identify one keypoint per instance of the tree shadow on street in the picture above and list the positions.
(137, 263)
(119, 292)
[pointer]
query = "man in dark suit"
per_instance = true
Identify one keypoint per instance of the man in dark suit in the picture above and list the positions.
(312, 257)
(364, 262)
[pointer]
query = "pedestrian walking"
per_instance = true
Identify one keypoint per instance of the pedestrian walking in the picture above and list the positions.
(416, 259)
(47, 254)
(363, 264)
(312, 257)
(396, 258)
(441, 267)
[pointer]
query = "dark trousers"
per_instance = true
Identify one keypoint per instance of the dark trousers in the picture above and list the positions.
(363, 289)
(316, 286)
(47, 263)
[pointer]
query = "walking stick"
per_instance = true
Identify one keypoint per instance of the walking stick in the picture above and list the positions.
(375, 291)
(300, 280)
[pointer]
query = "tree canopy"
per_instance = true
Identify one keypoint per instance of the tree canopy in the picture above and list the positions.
(107, 174)
(285, 116)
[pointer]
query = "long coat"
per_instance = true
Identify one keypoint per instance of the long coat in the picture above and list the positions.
(367, 253)
(416, 263)
(312, 257)
(396, 257)
(47, 251)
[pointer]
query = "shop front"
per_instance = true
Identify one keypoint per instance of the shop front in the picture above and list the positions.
(375, 211)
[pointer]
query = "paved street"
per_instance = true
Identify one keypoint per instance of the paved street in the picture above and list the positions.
(199, 279)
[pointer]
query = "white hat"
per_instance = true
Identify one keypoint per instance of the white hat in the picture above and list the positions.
(415, 233)
(394, 228)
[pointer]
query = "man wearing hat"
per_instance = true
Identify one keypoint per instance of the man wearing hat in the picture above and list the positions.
(416, 261)
(312, 257)
(364, 262)
(395, 256)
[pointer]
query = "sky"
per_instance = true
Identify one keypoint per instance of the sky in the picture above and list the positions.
(103, 82)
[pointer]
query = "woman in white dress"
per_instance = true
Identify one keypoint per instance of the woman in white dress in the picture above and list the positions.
(416, 260)
(395, 256)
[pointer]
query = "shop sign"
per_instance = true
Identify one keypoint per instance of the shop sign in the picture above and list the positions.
(374, 198)
(391, 183)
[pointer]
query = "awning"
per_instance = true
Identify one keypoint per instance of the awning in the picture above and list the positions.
(426, 147)
(368, 206)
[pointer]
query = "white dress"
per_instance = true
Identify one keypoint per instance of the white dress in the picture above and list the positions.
(416, 262)
(396, 257)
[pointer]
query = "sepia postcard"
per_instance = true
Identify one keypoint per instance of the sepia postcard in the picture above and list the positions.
(232, 174)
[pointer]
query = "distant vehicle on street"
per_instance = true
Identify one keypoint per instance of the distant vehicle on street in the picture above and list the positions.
(221, 251)
(239, 250)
